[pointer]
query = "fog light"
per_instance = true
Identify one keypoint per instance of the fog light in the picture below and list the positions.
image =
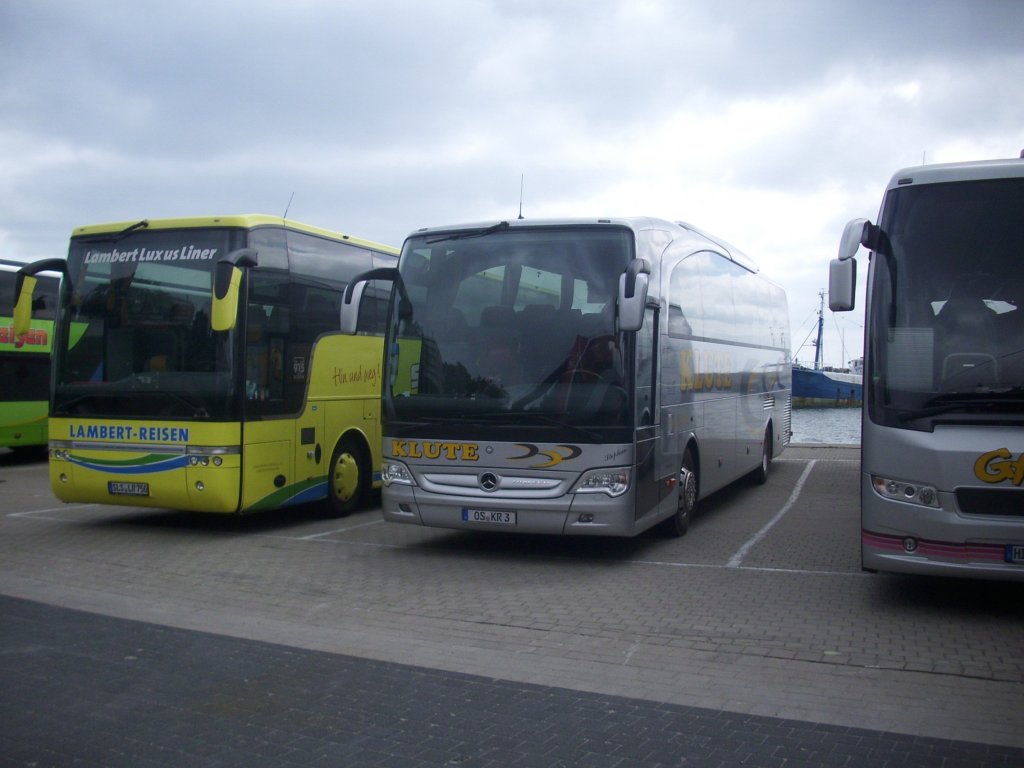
(200, 486)
(909, 545)
(63, 477)
(586, 518)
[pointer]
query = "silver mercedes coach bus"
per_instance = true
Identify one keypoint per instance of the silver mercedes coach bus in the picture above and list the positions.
(588, 376)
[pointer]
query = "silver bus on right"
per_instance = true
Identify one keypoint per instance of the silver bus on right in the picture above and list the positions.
(942, 445)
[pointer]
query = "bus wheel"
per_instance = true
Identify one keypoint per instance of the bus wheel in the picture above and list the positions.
(346, 479)
(760, 475)
(679, 523)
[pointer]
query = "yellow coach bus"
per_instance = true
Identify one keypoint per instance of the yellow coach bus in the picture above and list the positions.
(199, 365)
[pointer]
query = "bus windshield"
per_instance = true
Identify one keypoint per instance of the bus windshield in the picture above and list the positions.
(136, 327)
(947, 308)
(511, 325)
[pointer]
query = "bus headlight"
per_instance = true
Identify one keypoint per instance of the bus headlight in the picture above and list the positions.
(613, 482)
(912, 493)
(395, 473)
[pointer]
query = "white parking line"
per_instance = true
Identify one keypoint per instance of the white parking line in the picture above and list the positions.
(312, 536)
(736, 560)
(753, 568)
(40, 514)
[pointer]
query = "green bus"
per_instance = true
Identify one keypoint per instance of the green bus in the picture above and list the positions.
(25, 362)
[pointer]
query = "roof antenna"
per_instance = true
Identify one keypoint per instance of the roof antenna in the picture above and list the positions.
(288, 207)
(521, 195)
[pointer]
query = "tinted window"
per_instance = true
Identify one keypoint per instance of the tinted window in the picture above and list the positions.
(947, 300)
(326, 259)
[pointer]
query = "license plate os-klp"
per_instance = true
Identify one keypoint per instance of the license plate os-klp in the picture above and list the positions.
(128, 489)
(490, 516)
(1015, 553)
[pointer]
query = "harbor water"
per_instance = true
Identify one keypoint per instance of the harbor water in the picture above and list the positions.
(839, 426)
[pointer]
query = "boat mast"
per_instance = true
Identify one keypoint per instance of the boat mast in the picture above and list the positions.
(821, 323)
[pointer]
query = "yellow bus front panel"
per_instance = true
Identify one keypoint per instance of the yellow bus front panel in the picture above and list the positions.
(146, 464)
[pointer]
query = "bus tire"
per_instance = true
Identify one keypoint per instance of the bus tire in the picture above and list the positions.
(347, 478)
(760, 475)
(679, 523)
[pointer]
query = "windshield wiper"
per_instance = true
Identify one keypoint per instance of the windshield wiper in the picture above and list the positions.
(151, 385)
(117, 236)
(139, 384)
(989, 399)
(64, 409)
(198, 411)
(470, 233)
(518, 417)
(69, 407)
(504, 418)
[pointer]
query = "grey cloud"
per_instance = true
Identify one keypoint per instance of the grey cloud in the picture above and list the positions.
(384, 116)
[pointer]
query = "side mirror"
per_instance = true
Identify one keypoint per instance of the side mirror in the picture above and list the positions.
(350, 306)
(855, 235)
(25, 285)
(842, 284)
(842, 272)
(353, 295)
(227, 281)
(633, 286)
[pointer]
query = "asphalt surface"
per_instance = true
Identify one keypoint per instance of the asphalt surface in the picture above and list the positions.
(149, 637)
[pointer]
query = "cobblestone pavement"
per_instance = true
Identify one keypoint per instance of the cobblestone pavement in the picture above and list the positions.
(288, 637)
(90, 690)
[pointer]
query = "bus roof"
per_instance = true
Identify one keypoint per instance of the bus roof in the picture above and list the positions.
(631, 222)
(978, 170)
(636, 223)
(243, 220)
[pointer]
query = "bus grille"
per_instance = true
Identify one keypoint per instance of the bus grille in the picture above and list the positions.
(991, 501)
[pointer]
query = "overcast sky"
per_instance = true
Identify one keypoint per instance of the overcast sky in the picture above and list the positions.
(767, 123)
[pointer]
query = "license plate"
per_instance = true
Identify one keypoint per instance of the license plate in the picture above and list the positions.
(128, 489)
(490, 516)
(1014, 553)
